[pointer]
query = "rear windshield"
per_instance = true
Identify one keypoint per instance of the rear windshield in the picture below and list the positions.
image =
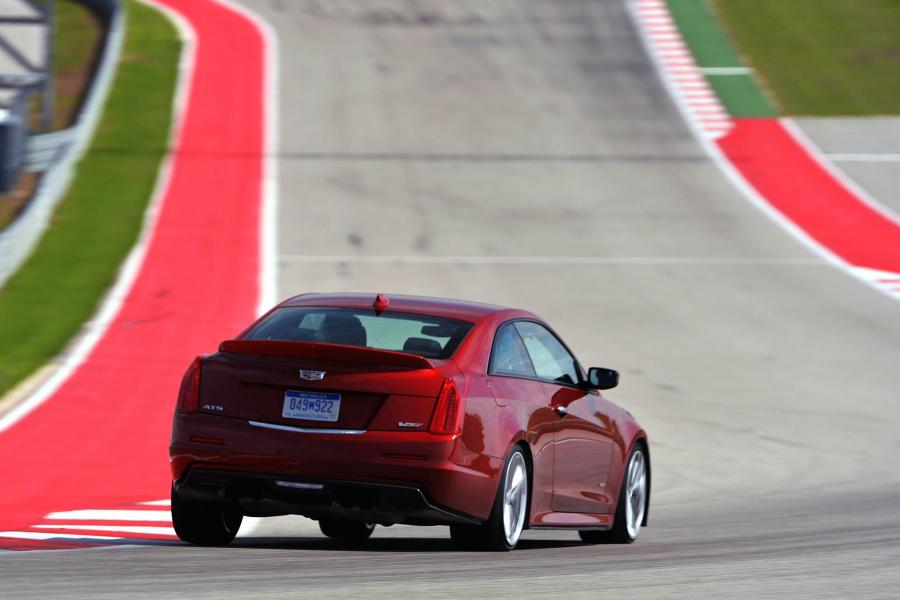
(431, 337)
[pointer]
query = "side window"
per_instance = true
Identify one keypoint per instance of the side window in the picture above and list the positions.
(550, 358)
(509, 356)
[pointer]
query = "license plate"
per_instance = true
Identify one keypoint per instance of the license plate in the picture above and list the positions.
(311, 406)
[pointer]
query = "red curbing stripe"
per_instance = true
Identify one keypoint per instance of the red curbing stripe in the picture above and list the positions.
(100, 439)
(768, 161)
(21, 544)
(111, 523)
(105, 533)
(802, 189)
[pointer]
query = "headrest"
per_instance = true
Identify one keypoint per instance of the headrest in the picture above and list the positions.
(422, 347)
(342, 328)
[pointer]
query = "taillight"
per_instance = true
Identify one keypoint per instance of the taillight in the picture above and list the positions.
(445, 419)
(189, 394)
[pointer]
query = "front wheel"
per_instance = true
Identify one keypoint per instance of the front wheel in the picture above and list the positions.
(346, 529)
(502, 530)
(631, 506)
(204, 523)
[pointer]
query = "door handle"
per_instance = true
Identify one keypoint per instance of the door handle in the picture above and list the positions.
(561, 410)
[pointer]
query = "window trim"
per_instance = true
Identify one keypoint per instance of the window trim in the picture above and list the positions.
(579, 385)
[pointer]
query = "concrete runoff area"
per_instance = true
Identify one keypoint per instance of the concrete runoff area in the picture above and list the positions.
(867, 149)
(765, 377)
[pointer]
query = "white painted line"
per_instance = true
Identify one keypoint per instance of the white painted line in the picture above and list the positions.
(249, 526)
(114, 529)
(696, 85)
(887, 281)
(700, 102)
(715, 71)
(671, 47)
(39, 535)
(712, 120)
(706, 110)
(669, 37)
(545, 260)
(93, 331)
(268, 234)
(689, 76)
(844, 157)
(877, 275)
(693, 96)
(112, 515)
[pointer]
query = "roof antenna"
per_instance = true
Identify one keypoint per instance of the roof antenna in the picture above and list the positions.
(381, 303)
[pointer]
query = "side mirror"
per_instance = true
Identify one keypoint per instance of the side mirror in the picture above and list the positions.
(599, 378)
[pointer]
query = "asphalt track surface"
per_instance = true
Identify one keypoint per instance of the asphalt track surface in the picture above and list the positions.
(536, 139)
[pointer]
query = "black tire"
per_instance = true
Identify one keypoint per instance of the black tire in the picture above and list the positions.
(346, 530)
(491, 535)
(619, 533)
(205, 523)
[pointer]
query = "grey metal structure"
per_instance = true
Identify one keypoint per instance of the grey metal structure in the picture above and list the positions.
(56, 153)
(25, 65)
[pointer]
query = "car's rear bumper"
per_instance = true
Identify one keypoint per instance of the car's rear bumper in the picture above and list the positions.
(265, 494)
(423, 477)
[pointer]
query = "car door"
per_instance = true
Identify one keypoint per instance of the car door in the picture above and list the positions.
(525, 401)
(583, 443)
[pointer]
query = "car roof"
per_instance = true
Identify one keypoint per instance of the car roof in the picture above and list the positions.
(437, 307)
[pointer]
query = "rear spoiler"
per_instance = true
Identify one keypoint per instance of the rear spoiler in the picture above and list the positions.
(320, 351)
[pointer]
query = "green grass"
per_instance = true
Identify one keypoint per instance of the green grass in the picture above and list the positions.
(710, 46)
(77, 34)
(707, 41)
(821, 57)
(58, 288)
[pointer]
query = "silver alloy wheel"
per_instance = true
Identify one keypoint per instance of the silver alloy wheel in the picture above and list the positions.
(515, 498)
(635, 494)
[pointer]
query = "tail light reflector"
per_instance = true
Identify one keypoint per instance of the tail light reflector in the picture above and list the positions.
(189, 394)
(445, 419)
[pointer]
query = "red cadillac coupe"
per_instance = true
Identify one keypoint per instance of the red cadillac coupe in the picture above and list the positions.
(405, 410)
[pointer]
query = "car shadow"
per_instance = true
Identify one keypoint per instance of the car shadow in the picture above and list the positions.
(392, 544)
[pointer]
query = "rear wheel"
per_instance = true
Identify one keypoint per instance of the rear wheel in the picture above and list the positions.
(502, 530)
(631, 506)
(346, 529)
(203, 522)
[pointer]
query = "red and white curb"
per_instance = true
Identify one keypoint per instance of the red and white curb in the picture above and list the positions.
(886, 281)
(676, 59)
(142, 522)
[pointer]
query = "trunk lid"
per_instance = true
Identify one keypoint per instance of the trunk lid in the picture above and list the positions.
(377, 389)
